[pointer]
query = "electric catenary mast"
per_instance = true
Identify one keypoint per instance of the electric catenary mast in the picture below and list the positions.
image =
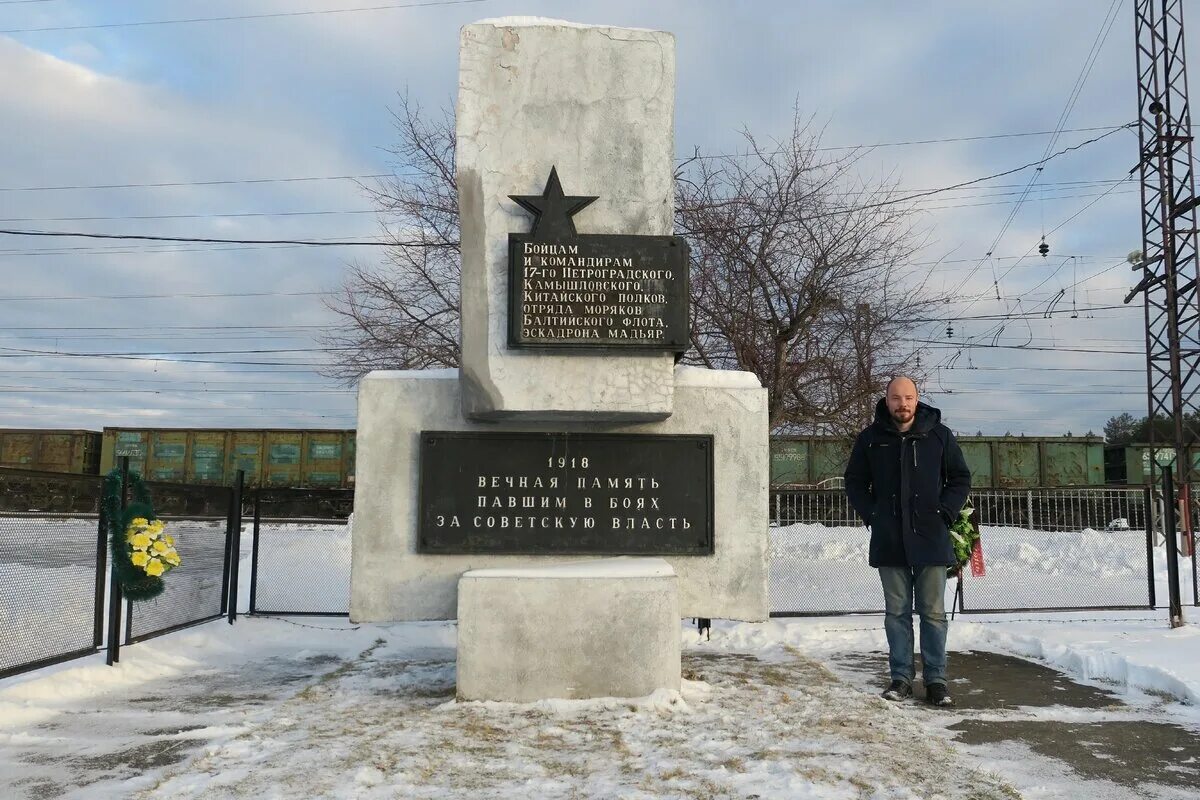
(1169, 267)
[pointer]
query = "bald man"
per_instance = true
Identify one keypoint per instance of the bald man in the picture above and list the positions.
(908, 480)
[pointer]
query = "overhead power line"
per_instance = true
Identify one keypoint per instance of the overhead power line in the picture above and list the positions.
(965, 346)
(242, 17)
(910, 197)
(205, 239)
(173, 296)
(175, 184)
(377, 243)
(381, 175)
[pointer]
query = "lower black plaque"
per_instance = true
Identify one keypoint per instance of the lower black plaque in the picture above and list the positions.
(566, 493)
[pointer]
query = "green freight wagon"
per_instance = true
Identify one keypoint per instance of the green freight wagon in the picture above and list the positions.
(808, 460)
(1129, 464)
(275, 458)
(71, 451)
(1007, 462)
(1021, 462)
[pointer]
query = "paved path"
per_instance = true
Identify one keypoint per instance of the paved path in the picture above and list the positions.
(1007, 709)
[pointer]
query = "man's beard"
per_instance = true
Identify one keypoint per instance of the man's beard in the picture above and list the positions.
(901, 417)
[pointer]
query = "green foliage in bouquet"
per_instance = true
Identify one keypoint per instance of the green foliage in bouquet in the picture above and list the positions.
(963, 535)
(141, 551)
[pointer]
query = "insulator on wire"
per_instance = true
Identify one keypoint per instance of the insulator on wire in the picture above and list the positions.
(1044, 248)
(949, 331)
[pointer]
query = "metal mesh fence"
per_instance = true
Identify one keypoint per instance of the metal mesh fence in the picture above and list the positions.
(301, 566)
(195, 590)
(1044, 549)
(1059, 570)
(50, 604)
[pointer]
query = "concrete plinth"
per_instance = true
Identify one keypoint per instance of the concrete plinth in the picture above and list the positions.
(392, 581)
(602, 628)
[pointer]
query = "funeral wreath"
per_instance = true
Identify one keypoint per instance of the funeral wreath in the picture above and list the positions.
(142, 551)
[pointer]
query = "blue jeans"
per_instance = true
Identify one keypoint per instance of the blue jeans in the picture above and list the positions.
(928, 586)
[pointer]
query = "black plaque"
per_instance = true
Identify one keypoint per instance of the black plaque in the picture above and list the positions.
(566, 493)
(593, 291)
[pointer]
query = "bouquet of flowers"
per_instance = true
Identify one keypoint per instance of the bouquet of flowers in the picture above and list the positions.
(151, 549)
(964, 535)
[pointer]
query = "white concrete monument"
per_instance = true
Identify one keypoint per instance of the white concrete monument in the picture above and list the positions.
(569, 431)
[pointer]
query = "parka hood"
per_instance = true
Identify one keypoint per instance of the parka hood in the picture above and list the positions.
(925, 420)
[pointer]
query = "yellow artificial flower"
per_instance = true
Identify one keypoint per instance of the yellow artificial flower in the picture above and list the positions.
(155, 567)
(139, 522)
(160, 547)
(172, 558)
(140, 541)
(139, 558)
(170, 539)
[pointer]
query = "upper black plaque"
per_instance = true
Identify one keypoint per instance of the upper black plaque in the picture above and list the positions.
(593, 291)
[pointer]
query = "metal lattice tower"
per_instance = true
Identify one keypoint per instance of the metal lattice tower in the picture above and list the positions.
(1169, 263)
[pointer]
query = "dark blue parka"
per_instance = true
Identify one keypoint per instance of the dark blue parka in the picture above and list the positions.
(908, 487)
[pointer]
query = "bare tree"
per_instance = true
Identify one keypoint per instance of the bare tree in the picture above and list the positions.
(404, 313)
(797, 272)
(798, 275)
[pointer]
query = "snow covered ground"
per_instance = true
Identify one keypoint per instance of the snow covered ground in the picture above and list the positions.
(279, 708)
(318, 707)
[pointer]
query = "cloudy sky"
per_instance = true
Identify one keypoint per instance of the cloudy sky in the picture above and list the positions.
(187, 118)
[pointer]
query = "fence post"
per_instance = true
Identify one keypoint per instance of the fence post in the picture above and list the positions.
(1176, 610)
(115, 600)
(254, 550)
(1148, 512)
(1029, 507)
(101, 570)
(777, 517)
(235, 547)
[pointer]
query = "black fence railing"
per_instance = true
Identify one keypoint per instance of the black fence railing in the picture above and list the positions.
(301, 566)
(197, 590)
(56, 598)
(52, 572)
(1044, 549)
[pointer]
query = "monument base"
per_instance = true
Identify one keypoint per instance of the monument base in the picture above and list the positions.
(603, 628)
(392, 580)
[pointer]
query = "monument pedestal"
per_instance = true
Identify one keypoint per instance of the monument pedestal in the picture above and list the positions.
(393, 580)
(603, 628)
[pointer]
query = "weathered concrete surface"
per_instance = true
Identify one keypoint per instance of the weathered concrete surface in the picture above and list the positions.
(1003, 700)
(598, 103)
(600, 628)
(390, 581)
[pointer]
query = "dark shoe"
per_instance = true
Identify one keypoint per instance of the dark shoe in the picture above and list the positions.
(938, 695)
(897, 691)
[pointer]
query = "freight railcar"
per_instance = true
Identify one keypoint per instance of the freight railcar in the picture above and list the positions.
(269, 457)
(1129, 464)
(1005, 462)
(73, 451)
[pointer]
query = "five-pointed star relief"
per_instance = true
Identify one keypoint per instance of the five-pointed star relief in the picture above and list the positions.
(552, 210)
